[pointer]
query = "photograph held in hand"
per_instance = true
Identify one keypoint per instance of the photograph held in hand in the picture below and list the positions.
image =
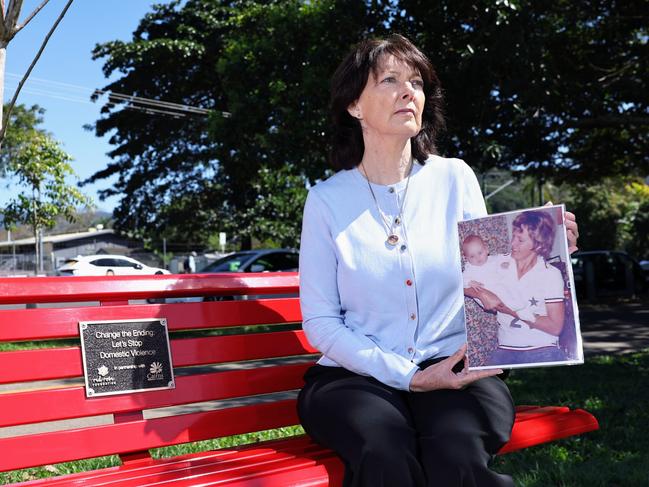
(520, 304)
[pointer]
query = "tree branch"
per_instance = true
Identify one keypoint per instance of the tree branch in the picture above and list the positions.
(29, 18)
(11, 17)
(2, 13)
(5, 120)
(611, 121)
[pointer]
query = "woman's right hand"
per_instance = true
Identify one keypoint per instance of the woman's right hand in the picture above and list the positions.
(441, 375)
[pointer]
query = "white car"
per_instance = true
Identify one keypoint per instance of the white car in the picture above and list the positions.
(106, 265)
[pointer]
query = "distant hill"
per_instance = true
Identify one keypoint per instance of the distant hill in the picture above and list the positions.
(84, 221)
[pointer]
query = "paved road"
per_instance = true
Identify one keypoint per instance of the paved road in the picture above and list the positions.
(618, 328)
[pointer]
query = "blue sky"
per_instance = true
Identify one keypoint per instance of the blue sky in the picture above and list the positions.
(65, 76)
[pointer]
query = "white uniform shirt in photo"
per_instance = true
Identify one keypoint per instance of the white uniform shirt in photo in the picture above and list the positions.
(540, 285)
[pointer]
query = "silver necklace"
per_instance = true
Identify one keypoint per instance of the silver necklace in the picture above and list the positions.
(392, 237)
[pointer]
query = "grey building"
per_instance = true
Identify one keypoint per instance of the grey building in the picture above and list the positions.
(19, 255)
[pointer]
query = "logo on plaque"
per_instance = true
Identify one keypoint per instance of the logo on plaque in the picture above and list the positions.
(155, 371)
(126, 356)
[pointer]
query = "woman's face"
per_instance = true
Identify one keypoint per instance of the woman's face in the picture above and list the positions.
(522, 244)
(391, 103)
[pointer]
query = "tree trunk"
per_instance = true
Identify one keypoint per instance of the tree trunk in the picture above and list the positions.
(35, 231)
(3, 59)
(246, 242)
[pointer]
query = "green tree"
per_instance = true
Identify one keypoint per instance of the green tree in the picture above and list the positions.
(599, 209)
(275, 218)
(22, 120)
(41, 167)
(263, 71)
(612, 214)
(275, 69)
(635, 222)
(556, 90)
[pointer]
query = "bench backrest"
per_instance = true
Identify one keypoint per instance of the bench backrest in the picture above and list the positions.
(43, 385)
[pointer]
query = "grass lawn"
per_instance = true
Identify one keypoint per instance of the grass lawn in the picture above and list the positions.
(614, 388)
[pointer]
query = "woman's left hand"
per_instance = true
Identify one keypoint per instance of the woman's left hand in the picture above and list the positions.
(441, 375)
(572, 229)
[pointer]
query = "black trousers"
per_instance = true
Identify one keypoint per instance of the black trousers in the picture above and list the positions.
(393, 438)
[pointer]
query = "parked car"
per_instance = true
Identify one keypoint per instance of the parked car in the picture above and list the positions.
(607, 273)
(262, 260)
(106, 265)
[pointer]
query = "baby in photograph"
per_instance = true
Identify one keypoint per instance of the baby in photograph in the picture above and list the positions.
(484, 270)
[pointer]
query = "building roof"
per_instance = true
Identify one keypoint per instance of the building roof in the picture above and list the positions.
(64, 237)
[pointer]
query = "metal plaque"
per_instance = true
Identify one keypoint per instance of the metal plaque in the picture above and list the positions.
(124, 356)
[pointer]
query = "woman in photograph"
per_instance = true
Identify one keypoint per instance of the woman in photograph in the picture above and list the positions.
(381, 287)
(536, 288)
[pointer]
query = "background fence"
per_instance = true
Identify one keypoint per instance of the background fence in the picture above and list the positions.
(25, 264)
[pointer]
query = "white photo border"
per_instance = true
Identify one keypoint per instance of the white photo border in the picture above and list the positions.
(560, 239)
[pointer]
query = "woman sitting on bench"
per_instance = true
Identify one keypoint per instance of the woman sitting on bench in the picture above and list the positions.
(381, 290)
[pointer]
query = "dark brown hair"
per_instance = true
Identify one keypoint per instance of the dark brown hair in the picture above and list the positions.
(348, 83)
(540, 227)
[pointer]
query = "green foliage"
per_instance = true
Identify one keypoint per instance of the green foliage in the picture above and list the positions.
(275, 217)
(613, 214)
(275, 68)
(23, 120)
(41, 167)
(634, 226)
(31, 159)
(266, 65)
(556, 90)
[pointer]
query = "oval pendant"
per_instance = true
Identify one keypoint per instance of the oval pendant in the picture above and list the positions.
(393, 239)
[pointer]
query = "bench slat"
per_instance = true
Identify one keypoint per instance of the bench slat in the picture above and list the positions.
(215, 350)
(236, 468)
(269, 467)
(536, 429)
(55, 323)
(534, 412)
(44, 364)
(95, 441)
(118, 288)
(251, 454)
(276, 471)
(71, 402)
(61, 363)
(318, 472)
(273, 461)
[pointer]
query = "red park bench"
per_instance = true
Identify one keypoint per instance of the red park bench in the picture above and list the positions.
(248, 377)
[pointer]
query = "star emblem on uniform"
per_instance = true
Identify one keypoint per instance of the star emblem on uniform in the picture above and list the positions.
(533, 302)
